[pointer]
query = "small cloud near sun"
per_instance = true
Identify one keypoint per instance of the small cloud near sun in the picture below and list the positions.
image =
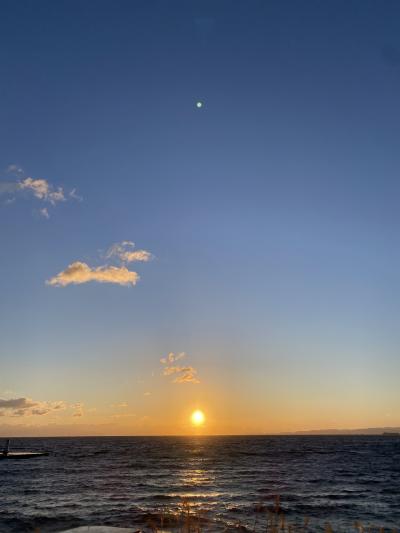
(182, 374)
(172, 358)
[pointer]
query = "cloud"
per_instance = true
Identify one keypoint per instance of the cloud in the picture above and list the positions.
(15, 403)
(28, 407)
(78, 409)
(125, 252)
(172, 358)
(77, 273)
(39, 188)
(187, 375)
(15, 169)
(73, 194)
(183, 374)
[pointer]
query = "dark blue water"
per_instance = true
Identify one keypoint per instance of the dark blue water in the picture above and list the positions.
(125, 481)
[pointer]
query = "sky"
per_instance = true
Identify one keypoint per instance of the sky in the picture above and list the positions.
(158, 256)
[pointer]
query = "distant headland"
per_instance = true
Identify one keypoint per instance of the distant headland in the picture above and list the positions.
(386, 431)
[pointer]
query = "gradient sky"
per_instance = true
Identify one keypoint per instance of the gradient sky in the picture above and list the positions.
(271, 213)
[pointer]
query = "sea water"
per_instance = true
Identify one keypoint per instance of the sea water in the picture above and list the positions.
(130, 481)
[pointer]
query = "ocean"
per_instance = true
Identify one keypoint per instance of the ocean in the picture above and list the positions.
(130, 481)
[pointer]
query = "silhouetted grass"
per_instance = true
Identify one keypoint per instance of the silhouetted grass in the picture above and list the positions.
(267, 519)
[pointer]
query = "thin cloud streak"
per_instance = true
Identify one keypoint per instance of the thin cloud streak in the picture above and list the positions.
(183, 374)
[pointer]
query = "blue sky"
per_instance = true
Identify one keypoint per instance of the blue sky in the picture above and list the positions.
(271, 212)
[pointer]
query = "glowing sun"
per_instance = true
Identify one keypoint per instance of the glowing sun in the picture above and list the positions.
(198, 418)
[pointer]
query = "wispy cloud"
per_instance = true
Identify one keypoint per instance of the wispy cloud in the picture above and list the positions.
(73, 194)
(172, 358)
(78, 410)
(124, 415)
(78, 273)
(16, 170)
(125, 252)
(183, 374)
(40, 188)
(28, 407)
(121, 405)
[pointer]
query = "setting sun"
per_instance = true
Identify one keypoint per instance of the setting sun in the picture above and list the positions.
(198, 418)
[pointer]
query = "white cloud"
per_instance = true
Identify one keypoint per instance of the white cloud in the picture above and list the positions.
(183, 374)
(39, 188)
(28, 407)
(138, 255)
(125, 252)
(77, 273)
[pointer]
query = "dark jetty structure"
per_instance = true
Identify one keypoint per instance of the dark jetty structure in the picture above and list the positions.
(6, 454)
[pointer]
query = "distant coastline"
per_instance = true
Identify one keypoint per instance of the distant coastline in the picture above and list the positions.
(385, 431)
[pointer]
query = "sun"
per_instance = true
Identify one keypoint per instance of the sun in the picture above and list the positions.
(198, 418)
